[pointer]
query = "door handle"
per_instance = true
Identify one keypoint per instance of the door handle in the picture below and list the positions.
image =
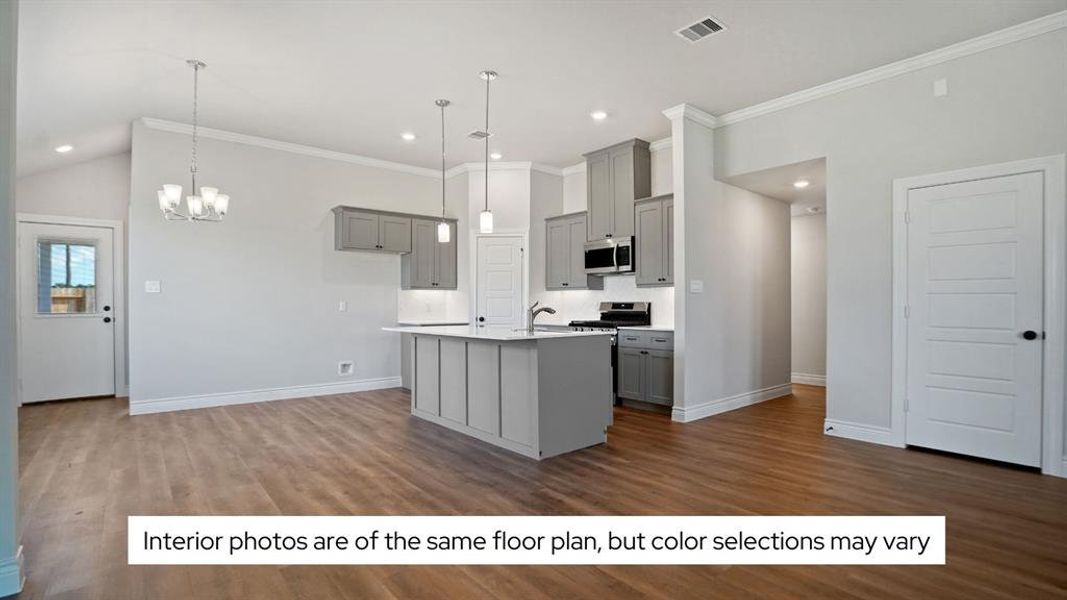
(1029, 334)
(481, 319)
(107, 319)
(107, 308)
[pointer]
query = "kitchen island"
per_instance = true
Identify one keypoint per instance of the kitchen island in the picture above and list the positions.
(540, 393)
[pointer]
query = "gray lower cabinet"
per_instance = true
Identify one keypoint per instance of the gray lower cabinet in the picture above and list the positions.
(430, 265)
(565, 254)
(615, 177)
(645, 367)
(358, 229)
(654, 223)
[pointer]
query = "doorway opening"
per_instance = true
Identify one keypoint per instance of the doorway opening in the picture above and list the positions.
(802, 186)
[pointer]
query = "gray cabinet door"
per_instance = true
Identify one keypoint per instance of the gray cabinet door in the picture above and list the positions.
(622, 192)
(359, 230)
(648, 216)
(445, 260)
(668, 245)
(394, 233)
(630, 365)
(557, 254)
(659, 381)
(575, 258)
(423, 253)
(599, 196)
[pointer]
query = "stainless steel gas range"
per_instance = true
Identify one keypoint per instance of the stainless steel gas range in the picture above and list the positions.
(612, 316)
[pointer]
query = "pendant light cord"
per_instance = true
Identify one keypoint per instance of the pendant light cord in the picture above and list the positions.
(442, 159)
(196, 118)
(487, 80)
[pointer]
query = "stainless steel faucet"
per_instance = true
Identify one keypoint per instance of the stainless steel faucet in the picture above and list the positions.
(532, 314)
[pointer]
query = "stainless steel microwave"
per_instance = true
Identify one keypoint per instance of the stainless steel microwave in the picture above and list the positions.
(609, 255)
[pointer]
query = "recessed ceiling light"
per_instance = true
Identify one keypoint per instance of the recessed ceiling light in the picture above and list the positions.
(496, 156)
(64, 148)
(598, 115)
(801, 184)
(408, 136)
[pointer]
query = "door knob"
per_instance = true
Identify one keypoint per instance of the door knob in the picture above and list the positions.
(481, 319)
(1029, 334)
(107, 308)
(107, 319)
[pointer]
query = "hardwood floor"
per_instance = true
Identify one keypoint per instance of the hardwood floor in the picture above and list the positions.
(86, 465)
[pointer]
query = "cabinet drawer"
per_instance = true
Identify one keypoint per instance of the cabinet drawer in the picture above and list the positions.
(632, 339)
(660, 340)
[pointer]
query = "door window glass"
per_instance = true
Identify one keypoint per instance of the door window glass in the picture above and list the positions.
(66, 277)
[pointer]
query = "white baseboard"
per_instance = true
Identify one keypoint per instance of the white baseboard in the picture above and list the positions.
(809, 379)
(858, 431)
(685, 414)
(12, 574)
(158, 405)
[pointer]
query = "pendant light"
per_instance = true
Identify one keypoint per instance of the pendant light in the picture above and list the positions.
(444, 232)
(485, 220)
(209, 205)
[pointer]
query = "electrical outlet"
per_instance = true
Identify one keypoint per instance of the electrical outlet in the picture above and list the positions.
(342, 306)
(696, 286)
(153, 287)
(345, 368)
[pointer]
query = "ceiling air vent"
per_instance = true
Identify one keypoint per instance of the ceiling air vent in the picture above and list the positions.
(700, 30)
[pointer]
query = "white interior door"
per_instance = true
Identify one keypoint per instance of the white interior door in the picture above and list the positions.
(500, 282)
(66, 316)
(974, 318)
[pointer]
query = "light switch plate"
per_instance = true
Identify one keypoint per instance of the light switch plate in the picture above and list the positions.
(696, 286)
(940, 88)
(153, 287)
(342, 306)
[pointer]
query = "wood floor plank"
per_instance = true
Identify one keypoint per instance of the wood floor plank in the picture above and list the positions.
(87, 465)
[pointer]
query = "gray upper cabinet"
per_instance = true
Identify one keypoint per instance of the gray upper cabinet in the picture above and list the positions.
(358, 229)
(431, 265)
(394, 233)
(615, 177)
(565, 254)
(654, 221)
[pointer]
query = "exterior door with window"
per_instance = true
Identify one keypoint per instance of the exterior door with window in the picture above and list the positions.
(66, 316)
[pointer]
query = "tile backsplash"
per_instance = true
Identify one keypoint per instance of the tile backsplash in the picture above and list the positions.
(573, 305)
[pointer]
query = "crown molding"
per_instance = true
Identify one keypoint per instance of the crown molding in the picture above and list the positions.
(658, 145)
(252, 140)
(473, 167)
(688, 111)
(574, 169)
(981, 43)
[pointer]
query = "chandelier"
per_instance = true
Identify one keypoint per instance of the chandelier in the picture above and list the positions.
(209, 204)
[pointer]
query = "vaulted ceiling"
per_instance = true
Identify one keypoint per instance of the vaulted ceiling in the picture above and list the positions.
(352, 76)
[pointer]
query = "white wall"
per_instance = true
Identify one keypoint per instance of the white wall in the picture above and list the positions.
(10, 567)
(1004, 104)
(808, 277)
(251, 303)
(94, 189)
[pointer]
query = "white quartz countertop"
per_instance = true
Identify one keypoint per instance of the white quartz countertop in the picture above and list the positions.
(431, 322)
(499, 334)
